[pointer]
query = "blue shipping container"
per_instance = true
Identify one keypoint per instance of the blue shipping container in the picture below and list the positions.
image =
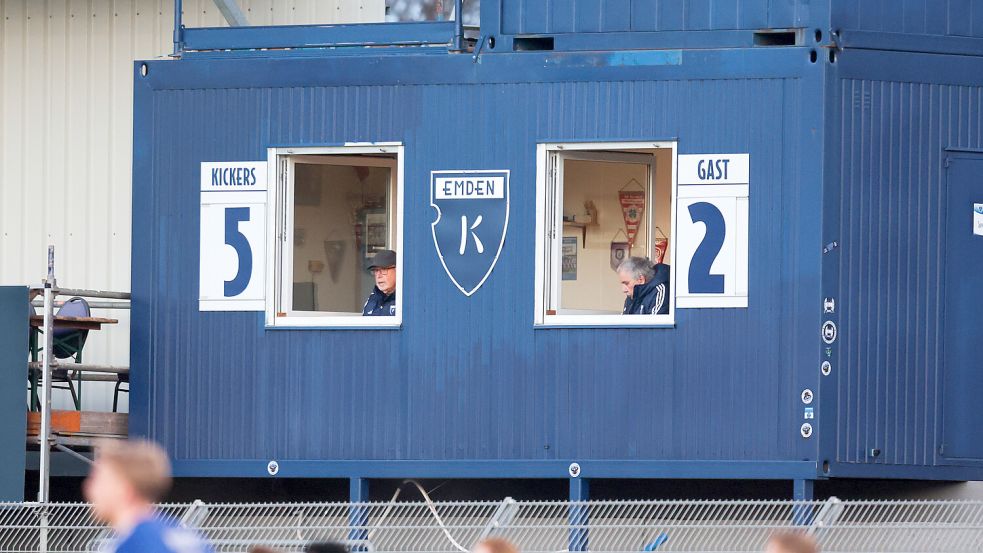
(852, 358)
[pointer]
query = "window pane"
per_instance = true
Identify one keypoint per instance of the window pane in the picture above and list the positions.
(592, 208)
(342, 217)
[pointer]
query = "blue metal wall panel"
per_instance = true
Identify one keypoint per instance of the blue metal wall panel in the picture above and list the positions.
(584, 16)
(894, 122)
(470, 378)
(958, 18)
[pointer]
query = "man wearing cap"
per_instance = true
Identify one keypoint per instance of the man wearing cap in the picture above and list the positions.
(382, 300)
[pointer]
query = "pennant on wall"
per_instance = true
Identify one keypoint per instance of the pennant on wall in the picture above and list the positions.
(632, 207)
(620, 251)
(661, 245)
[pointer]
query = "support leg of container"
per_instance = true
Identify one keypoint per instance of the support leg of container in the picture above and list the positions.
(802, 491)
(358, 512)
(578, 514)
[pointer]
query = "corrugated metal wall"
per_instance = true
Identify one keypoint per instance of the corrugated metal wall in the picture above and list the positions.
(919, 17)
(893, 136)
(66, 134)
(568, 16)
(470, 378)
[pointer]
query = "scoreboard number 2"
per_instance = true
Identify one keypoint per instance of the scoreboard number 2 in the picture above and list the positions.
(712, 230)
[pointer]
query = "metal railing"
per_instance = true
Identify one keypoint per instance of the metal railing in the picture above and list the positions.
(536, 527)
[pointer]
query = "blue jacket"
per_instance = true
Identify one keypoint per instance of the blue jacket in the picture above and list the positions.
(157, 536)
(651, 298)
(379, 304)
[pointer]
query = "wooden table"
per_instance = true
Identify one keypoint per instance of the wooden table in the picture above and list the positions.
(73, 323)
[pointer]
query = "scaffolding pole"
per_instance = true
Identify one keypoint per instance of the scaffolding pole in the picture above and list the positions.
(45, 434)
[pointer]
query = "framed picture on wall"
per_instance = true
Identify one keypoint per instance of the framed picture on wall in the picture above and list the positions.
(376, 225)
(569, 262)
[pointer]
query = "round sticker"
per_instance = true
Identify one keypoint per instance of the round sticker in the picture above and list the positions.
(806, 430)
(826, 368)
(829, 332)
(807, 396)
(273, 467)
(574, 470)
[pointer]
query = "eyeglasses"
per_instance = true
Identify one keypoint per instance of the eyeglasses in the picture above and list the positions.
(377, 270)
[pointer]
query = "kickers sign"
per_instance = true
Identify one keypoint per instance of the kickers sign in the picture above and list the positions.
(712, 230)
(232, 246)
(472, 219)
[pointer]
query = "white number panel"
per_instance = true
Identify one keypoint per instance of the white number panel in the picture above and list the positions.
(233, 237)
(712, 231)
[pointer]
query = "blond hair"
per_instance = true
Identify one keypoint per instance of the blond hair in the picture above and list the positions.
(794, 542)
(143, 464)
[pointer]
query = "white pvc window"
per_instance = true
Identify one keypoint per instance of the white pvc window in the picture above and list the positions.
(582, 233)
(332, 210)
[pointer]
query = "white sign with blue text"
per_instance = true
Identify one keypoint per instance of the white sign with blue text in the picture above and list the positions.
(233, 236)
(712, 230)
(472, 219)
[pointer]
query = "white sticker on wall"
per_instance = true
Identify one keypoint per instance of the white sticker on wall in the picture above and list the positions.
(714, 169)
(978, 219)
(712, 230)
(232, 245)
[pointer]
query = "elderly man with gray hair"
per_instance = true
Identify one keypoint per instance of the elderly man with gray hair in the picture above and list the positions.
(645, 285)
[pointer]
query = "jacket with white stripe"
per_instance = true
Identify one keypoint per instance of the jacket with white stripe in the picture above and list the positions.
(651, 298)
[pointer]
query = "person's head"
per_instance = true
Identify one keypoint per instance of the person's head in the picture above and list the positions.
(383, 268)
(126, 477)
(326, 547)
(791, 542)
(634, 271)
(494, 545)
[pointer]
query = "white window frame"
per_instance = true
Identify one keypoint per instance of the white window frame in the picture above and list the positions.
(541, 318)
(280, 233)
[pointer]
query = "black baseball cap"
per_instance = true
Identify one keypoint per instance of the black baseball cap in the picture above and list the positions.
(382, 259)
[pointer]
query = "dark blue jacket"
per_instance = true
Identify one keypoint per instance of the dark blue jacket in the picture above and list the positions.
(379, 304)
(156, 536)
(651, 298)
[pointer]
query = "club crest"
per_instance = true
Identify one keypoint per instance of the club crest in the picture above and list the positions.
(472, 218)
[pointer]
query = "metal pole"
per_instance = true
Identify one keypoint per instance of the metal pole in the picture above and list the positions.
(458, 45)
(45, 448)
(178, 34)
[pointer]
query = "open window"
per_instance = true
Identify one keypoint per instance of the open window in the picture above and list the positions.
(598, 205)
(333, 210)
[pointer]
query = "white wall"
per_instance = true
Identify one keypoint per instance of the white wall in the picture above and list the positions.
(66, 132)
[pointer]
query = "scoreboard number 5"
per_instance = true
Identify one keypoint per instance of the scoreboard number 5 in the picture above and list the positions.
(235, 238)
(232, 242)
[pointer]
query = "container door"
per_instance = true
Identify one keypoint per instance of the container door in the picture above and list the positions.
(962, 434)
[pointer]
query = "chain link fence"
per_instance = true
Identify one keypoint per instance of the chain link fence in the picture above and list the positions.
(536, 527)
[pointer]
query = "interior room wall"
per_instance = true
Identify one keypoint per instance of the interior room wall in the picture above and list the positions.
(596, 287)
(326, 210)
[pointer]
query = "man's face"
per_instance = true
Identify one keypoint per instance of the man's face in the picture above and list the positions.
(385, 279)
(105, 489)
(628, 282)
